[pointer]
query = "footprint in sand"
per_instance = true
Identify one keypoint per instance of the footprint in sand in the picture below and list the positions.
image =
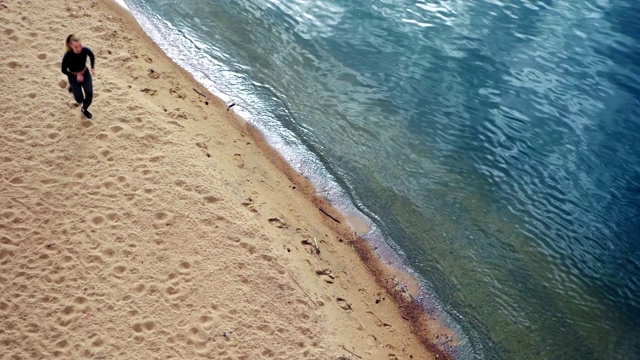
(344, 304)
(210, 199)
(138, 288)
(205, 149)
(250, 248)
(97, 343)
(116, 129)
(97, 220)
(162, 219)
(277, 222)
(67, 316)
(175, 92)
(113, 217)
(239, 160)
(184, 268)
(153, 74)
(103, 137)
(61, 345)
(7, 215)
(249, 205)
(326, 275)
(149, 91)
(377, 320)
(119, 271)
(49, 181)
(156, 158)
(106, 154)
(54, 135)
(16, 180)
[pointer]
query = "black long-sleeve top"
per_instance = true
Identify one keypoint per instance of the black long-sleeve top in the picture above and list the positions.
(73, 63)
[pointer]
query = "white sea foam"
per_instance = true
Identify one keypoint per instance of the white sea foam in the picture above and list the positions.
(122, 3)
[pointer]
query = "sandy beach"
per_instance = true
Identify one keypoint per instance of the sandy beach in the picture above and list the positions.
(164, 227)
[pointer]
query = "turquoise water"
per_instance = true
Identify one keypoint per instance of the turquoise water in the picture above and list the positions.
(494, 146)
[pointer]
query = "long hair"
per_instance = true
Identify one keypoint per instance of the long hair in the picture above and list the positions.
(70, 39)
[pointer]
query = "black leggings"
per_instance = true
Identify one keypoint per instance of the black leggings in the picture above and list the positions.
(77, 88)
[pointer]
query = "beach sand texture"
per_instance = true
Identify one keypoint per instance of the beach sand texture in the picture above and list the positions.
(160, 229)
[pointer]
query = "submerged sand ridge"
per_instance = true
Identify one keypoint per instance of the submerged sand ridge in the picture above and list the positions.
(160, 229)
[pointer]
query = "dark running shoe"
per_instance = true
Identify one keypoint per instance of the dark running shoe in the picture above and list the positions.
(86, 113)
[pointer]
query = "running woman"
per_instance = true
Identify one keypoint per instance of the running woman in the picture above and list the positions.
(74, 65)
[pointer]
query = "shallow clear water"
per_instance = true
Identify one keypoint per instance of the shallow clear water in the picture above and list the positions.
(495, 145)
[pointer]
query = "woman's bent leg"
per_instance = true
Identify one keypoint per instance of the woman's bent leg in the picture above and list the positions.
(87, 85)
(76, 89)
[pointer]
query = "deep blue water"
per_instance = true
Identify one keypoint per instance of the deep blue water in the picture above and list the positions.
(495, 146)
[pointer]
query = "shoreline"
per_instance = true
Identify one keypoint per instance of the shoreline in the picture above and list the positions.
(402, 288)
(331, 238)
(393, 280)
(398, 284)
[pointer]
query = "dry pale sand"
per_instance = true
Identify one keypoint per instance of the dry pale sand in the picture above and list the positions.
(162, 228)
